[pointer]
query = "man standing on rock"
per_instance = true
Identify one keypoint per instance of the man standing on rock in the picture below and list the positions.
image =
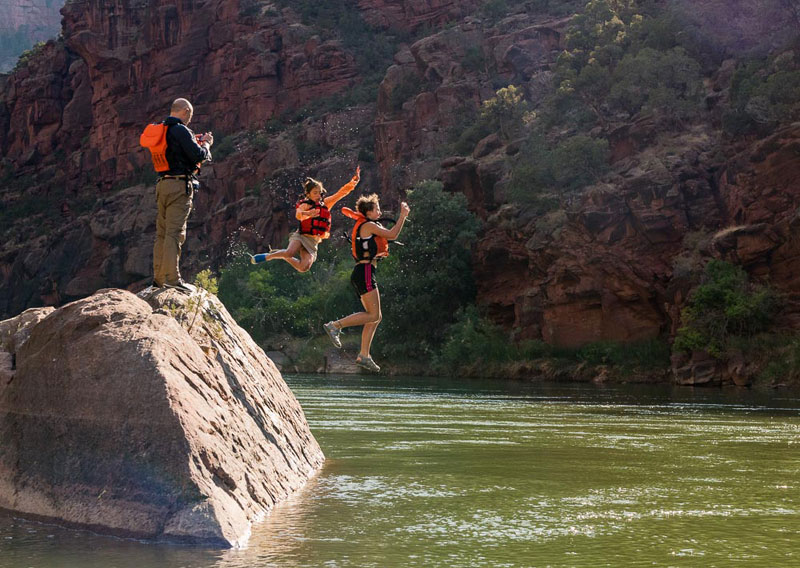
(174, 192)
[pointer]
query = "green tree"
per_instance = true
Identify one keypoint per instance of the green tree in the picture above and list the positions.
(666, 83)
(724, 306)
(472, 341)
(505, 110)
(575, 162)
(579, 161)
(764, 94)
(600, 33)
(426, 281)
(624, 56)
(273, 298)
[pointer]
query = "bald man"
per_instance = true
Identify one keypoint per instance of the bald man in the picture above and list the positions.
(174, 192)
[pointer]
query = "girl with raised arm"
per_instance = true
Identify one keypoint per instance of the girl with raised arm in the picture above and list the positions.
(314, 214)
(370, 242)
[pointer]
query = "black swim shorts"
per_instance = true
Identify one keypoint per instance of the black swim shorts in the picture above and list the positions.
(363, 278)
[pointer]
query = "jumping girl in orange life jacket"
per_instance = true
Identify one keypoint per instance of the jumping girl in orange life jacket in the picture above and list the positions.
(369, 244)
(314, 215)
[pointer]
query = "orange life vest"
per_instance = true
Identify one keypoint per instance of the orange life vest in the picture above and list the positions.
(318, 226)
(154, 138)
(365, 248)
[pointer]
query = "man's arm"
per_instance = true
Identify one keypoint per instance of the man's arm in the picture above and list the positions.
(189, 145)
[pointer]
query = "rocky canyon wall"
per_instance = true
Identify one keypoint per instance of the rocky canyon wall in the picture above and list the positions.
(607, 264)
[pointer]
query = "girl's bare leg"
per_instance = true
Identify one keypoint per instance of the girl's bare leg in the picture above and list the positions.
(305, 261)
(288, 252)
(372, 304)
(369, 329)
(302, 264)
(369, 319)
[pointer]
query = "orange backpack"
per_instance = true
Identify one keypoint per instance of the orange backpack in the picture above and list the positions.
(154, 138)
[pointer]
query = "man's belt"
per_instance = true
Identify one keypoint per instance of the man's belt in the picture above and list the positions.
(184, 176)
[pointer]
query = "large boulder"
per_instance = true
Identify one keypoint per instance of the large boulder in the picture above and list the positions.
(154, 417)
(13, 333)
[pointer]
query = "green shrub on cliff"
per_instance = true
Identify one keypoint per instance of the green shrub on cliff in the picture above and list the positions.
(206, 280)
(468, 129)
(506, 111)
(28, 55)
(623, 57)
(665, 83)
(764, 94)
(725, 306)
(541, 170)
(578, 161)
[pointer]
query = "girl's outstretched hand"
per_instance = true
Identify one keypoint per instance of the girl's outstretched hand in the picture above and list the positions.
(357, 177)
(404, 209)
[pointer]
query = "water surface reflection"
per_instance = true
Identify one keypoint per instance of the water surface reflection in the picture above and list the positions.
(487, 474)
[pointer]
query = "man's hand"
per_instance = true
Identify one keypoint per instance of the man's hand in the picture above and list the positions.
(207, 138)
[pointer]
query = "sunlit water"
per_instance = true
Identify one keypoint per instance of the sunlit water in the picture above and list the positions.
(488, 474)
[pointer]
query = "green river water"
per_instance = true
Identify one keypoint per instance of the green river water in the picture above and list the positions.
(470, 474)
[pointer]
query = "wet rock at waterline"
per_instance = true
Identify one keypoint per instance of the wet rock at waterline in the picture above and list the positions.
(152, 417)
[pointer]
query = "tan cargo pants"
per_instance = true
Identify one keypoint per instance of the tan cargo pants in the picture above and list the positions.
(174, 206)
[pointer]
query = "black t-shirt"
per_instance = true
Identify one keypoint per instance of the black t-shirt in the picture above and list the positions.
(183, 152)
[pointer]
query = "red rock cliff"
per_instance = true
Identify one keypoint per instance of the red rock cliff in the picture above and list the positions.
(611, 263)
(70, 121)
(607, 265)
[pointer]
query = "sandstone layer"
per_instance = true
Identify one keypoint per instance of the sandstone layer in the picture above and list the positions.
(411, 14)
(153, 418)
